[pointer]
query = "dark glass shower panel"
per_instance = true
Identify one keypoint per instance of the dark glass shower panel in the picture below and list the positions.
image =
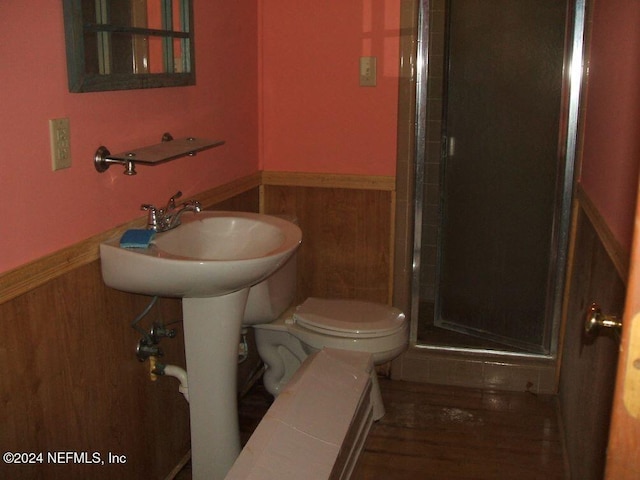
(502, 119)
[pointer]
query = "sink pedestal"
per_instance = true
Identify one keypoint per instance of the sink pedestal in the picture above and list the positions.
(203, 259)
(212, 335)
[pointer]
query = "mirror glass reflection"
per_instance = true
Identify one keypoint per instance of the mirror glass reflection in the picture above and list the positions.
(118, 44)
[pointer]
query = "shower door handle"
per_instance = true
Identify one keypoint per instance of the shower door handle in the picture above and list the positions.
(450, 146)
(596, 321)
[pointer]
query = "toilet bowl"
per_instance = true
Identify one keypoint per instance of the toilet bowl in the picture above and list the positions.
(285, 336)
(352, 325)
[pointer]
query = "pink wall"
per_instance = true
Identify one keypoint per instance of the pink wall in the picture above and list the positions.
(612, 129)
(315, 116)
(43, 211)
(311, 115)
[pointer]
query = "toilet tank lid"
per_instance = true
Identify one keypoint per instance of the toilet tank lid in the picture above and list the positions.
(353, 316)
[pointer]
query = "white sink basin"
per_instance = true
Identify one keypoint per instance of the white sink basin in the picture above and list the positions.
(209, 255)
(210, 261)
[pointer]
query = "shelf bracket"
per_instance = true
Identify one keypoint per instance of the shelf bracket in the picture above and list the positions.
(168, 149)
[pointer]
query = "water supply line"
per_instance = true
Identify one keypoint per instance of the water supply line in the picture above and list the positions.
(148, 348)
(243, 348)
(144, 313)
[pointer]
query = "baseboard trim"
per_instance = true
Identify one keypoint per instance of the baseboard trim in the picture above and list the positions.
(178, 468)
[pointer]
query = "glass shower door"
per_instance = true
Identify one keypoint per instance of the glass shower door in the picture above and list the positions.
(500, 168)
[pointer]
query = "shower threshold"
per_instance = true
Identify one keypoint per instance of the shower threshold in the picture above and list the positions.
(435, 337)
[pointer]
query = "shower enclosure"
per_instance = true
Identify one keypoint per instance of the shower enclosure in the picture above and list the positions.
(497, 114)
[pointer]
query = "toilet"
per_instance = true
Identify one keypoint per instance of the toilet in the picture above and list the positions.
(286, 335)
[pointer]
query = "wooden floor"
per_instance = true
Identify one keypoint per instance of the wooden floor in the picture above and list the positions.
(448, 433)
(453, 433)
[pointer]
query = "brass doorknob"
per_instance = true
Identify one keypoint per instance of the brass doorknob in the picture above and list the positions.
(596, 321)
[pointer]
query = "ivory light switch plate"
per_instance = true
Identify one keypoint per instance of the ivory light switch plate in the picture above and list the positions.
(368, 71)
(60, 143)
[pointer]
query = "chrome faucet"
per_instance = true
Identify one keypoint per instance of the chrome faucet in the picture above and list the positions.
(163, 219)
(173, 220)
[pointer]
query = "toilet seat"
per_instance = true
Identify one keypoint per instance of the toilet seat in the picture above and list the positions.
(348, 318)
(345, 325)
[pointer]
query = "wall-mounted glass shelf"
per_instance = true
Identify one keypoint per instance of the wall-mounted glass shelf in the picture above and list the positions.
(168, 149)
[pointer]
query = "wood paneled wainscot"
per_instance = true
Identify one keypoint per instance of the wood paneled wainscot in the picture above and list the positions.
(347, 229)
(71, 381)
(597, 274)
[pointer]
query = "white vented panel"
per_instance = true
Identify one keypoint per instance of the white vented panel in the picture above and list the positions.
(317, 426)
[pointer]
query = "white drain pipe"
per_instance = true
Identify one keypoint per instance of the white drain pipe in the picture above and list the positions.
(171, 371)
(181, 375)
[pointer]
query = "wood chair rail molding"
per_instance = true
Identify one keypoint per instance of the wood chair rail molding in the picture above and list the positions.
(328, 180)
(619, 257)
(36, 273)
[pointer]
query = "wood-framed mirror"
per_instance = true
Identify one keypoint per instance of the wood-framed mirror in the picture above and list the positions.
(129, 44)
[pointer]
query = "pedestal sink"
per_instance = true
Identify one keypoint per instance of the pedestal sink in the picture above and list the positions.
(210, 261)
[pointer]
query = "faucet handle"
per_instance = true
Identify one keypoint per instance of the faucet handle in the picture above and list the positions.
(172, 201)
(149, 207)
(152, 220)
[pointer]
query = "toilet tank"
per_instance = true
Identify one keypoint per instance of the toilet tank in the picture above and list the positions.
(271, 297)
